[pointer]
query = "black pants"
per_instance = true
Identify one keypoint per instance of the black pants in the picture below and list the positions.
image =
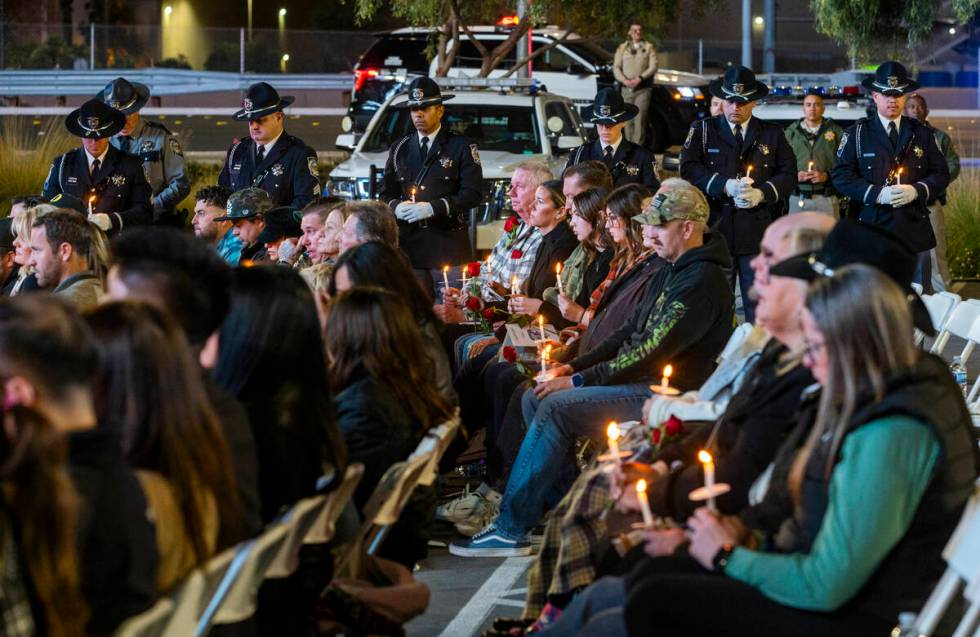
(504, 386)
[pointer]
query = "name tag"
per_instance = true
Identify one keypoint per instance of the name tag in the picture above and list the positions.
(868, 155)
(73, 180)
(714, 150)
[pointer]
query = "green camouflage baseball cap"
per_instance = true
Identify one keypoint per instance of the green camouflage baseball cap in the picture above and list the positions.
(246, 204)
(675, 203)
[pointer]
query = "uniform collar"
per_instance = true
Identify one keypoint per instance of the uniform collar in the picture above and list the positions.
(432, 136)
(885, 121)
(745, 125)
(101, 157)
(615, 147)
(268, 147)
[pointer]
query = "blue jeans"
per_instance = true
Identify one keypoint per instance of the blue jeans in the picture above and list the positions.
(743, 269)
(598, 610)
(545, 467)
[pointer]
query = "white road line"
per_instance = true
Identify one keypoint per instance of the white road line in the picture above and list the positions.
(471, 617)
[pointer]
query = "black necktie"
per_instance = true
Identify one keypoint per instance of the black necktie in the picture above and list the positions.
(739, 140)
(95, 167)
(259, 155)
(124, 143)
(893, 134)
(608, 156)
(424, 147)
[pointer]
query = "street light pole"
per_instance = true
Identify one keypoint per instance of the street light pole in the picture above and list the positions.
(769, 39)
(522, 44)
(249, 20)
(747, 33)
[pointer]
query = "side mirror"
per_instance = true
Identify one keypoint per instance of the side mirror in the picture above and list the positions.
(346, 141)
(346, 124)
(555, 124)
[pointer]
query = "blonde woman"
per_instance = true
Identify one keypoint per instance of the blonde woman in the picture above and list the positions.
(26, 280)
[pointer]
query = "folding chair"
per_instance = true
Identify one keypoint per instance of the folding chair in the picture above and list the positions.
(940, 306)
(234, 599)
(962, 555)
(441, 437)
(325, 525)
(187, 601)
(299, 519)
(918, 288)
(973, 396)
(149, 623)
(959, 323)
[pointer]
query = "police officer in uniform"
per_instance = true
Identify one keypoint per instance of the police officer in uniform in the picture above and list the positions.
(628, 162)
(154, 145)
(634, 67)
(271, 159)
(110, 182)
(744, 166)
(891, 165)
(431, 181)
(814, 140)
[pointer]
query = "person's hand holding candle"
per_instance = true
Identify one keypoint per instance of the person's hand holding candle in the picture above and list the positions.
(707, 535)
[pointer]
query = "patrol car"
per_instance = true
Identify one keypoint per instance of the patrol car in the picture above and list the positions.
(508, 119)
(575, 68)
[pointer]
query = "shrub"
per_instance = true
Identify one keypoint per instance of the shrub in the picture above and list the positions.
(962, 214)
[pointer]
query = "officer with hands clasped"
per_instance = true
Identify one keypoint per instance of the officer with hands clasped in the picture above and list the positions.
(744, 166)
(271, 159)
(153, 144)
(431, 181)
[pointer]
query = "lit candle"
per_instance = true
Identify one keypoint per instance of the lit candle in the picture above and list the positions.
(709, 477)
(809, 167)
(463, 270)
(665, 381)
(545, 355)
(514, 288)
(748, 171)
(412, 194)
(445, 278)
(561, 290)
(489, 269)
(898, 176)
(90, 201)
(612, 433)
(641, 495)
(541, 330)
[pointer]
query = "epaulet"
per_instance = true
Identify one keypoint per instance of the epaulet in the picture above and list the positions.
(158, 125)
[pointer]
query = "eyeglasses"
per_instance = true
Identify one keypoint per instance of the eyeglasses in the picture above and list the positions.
(811, 350)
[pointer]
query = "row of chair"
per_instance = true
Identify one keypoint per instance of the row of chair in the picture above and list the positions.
(224, 591)
(953, 316)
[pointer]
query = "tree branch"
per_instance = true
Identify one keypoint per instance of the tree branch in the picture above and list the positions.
(564, 38)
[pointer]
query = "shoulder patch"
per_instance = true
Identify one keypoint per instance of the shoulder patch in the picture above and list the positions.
(475, 152)
(311, 164)
(843, 142)
(175, 147)
(690, 136)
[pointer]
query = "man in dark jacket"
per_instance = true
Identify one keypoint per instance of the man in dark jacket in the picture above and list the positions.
(271, 159)
(685, 321)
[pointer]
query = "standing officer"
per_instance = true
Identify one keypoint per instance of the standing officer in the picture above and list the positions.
(814, 140)
(891, 165)
(432, 179)
(634, 67)
(744, 166)
(916, 108)
(628, 162)
(271, 159)
(110, 182)
(154, 145)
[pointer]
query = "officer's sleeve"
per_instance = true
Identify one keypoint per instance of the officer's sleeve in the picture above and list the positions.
(177, 185)
(937, 179)
(952, 157)
(140, 212)
(846, 176)
(470, 191)
(651, 69)
(648, 171)
(783, 181)
(224, 178)
(306, 179)
(618, 65)
(693, 167)
(51, 185)
(391, 189)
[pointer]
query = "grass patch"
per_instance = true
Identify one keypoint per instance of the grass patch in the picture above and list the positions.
(962, 213)
(26, 152)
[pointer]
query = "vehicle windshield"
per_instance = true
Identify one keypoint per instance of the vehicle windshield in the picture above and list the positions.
(590, 52)
(508, 129)
(396, 51)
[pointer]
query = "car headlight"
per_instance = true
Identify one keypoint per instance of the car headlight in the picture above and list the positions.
(352, 187)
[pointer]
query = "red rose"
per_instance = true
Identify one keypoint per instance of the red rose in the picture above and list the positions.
(511, 223)
(674, 426)
(488, 313)
(473, 303)
(656, 436)
(516, 254)
(510, 354)
(473, 269)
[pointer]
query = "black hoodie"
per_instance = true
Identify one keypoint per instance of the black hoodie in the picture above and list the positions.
(685, 321)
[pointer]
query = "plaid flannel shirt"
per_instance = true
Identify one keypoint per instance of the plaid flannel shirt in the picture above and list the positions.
(504, 267)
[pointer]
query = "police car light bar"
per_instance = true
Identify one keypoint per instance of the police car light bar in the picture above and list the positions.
(486, 82)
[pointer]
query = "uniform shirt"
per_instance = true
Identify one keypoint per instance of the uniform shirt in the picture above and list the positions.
(635, 61)
(91, 160)
(163, 163)
(631, 163)
(288, 172)
(818, 146)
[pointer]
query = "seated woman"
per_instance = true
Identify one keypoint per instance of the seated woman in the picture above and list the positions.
(328, 238)
(148, 385)
(271, 357)
(385, 399)
(39, 508)
(375, 264)
(26, 279)
(877, 489)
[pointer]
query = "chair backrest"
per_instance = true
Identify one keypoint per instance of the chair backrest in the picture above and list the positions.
(324, 527)
(188, 602)
(442, 436)
(959, 323)
(149, 623)
(735, 341)
(299, 519)
(939, 306)
(918, 288)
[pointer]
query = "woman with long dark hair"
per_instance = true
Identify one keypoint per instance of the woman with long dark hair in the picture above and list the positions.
(148, 386)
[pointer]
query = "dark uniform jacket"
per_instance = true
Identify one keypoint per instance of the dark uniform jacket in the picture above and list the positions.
(631, 163)
(451, 179)
(288, 171)
(865, 160)
(120, 187)
(709, 159)
(163, 165)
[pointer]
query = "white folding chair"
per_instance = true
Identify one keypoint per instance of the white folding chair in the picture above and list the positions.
(735, 341)
(187, 602)
(973, 396)
(234, 599)
(441, 436)
(149, 623)
(323, 529)
(939, 306)
(918, 288)
(299, 519)
(962, 555)
(959, 323)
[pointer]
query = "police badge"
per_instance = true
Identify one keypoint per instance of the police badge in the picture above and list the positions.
(417, 94)
(829, 136)
(146, 146)
(93, 122)
(892, 81)
(446, 162)
(605, 111)
(632, 170)
(475, 153)
(738, 88)
(118, 180)
(247, 105)
(277, 170)
(311, 164)
(763, 149)
(918, 151)
(175, 147)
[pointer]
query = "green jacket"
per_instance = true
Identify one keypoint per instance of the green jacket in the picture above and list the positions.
(948, 149)
(821, 149)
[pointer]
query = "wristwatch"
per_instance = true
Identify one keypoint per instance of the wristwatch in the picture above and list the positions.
(720, 561)
(577, 380)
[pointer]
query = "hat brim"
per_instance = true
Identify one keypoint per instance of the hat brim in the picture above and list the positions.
(237, 218)
(243, 115)
(717, 88)
(142, 97)
(429, 101)
(629, 112)
(871, 84)
(75, 127)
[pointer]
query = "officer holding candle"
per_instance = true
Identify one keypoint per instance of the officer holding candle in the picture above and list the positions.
(891, 165)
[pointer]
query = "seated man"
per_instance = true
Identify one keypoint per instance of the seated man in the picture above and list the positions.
(61, 247)
(685, 321)
(368, 221)
(246, 210)
(210, 203)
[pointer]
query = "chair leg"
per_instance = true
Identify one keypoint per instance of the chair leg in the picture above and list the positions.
(970, 623)
(942, 595)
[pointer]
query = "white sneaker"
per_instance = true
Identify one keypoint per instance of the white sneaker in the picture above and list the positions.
(462, 507)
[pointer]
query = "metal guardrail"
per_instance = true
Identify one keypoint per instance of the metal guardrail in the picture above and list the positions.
(160, 81)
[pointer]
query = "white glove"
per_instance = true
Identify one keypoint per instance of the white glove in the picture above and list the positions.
(886, 196)
(903, 195)
(419, 211)
(286, 251)
(101, 220)
(733, 187)
(749, 198)
(401, 210)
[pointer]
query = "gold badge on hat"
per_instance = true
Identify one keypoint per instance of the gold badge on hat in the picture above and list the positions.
(118, 180)
(605, 111)
(829, 136)
(738, 88)
(247, 104)
(892, 81)
(115, 104)
(918, 151)
(93, 122)
(417, 94)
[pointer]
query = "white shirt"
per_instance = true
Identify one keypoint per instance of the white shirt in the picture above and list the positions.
(745, 126)
(806, 127)
(91, 159)
(615, 146)
(267, 147)
(431, 136)
(885, 121)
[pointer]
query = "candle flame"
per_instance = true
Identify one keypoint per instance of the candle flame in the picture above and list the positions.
(558, 268)
(513, 280)
(612, 431)
(445, 268)
(900, 169)
(641, 486)
(91, 199)
(705, 457)
(547, 350)
(668, 371)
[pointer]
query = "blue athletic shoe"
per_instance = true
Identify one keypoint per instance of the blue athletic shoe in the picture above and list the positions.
(491, 543)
